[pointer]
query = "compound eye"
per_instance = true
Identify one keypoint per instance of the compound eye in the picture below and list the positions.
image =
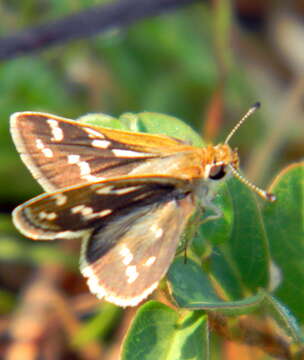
(217, 172)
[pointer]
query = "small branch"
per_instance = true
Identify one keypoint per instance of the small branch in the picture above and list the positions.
(87, 23)
(260, 332)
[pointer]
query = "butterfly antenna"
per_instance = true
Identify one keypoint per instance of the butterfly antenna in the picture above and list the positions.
(241, 122)
(263, 193)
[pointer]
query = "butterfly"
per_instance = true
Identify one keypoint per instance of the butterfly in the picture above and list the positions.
(128, 196)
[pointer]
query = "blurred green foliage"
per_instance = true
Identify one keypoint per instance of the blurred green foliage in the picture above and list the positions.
(169, 64)
(154, 66)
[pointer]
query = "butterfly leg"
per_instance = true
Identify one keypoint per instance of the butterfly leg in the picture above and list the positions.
(196, 221)
(217, 213)
(190, 232)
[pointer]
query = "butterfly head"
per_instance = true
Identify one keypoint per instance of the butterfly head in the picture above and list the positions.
(227, 160)
(220, 158)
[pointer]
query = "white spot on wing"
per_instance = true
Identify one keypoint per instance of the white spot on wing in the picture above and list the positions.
(39, 144)
(69, 234)
(73, 159)
(84, 168)
(104, 190)
(105, 212)
(126, 254)
(82, 209)
(132, 274)
(92, 178)
(42, 215)
(87, 211)
(60, 199)
(51, 216)
(99, 214)
(45, 151)
(103, 144)
(56, 130)
(128, 153)
(126, 190)
(158, 232)
(77, 209)
(150, 261)
(47, 216)
(94, 133)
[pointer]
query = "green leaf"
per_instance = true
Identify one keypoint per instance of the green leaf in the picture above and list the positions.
(284, 222)
(156, 123)
(224, 276)
(147, 122)
(190, 284)
(103, 120)
(160, 333)
(239, 260)
(283, 317)
(218, 231)
(247, 249)
(192, 288)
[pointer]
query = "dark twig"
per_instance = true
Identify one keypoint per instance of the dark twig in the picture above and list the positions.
(87, 23)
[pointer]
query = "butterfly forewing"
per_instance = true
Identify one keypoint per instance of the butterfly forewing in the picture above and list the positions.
(67, 212)
(61, 152)
(125, 258)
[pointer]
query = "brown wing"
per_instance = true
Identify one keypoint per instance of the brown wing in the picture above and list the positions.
(73, 211)
(125, 259)
(61, 152)
(131, 227)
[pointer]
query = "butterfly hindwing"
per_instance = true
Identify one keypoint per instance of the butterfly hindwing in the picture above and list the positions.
(61, 152)
(130, 228)
(125, 258)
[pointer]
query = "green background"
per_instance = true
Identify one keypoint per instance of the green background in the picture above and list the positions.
(205, 64)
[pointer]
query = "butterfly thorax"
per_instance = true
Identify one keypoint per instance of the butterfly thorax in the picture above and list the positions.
(189, 162)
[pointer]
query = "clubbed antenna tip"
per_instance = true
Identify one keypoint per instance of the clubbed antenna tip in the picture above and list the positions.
(256, 106)
(270, 197)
